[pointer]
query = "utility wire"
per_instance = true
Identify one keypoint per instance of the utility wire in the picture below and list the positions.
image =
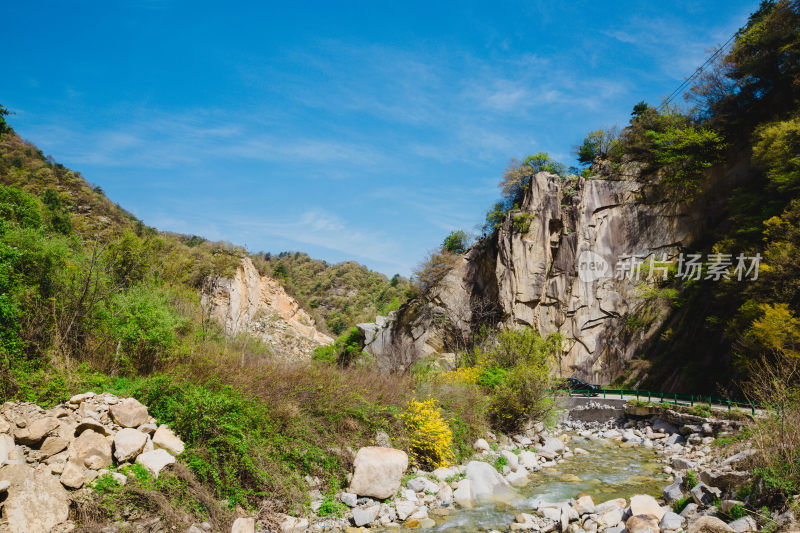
(697, 72)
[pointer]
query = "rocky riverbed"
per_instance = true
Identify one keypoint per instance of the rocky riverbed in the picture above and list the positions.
(649, 470)
(622, 475)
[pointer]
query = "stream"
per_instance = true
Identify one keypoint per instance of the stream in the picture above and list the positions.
(609, 471)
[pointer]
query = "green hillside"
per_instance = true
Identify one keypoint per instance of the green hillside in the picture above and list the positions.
(337, 296)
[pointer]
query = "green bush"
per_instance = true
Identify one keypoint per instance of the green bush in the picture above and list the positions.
(680, 505)
(523, 393)
(492, 376)
(683, 154)
(331, 506)
(347, 349)
(456, 242)
(144, 323)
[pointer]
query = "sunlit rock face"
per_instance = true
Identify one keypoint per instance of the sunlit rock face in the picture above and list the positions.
(258, 305)
(561, 264)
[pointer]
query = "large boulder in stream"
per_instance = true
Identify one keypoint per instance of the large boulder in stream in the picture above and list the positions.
(377, 472)
(488, 485)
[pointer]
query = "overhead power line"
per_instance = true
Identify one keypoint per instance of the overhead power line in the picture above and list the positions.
(679, 90)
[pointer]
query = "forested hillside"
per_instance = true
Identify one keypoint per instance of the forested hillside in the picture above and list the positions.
(337, 296)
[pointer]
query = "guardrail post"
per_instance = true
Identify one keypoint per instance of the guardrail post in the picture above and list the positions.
(662, 398)
(637, 395)
(676, 398)
(621, 392)
(604, 394)
(692, 400)
(753, 408)
(649, 398)
(729, 405)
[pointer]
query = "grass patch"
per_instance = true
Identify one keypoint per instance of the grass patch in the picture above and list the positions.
(680, 505)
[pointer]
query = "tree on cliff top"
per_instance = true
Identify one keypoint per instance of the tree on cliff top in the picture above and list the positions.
(518, 175)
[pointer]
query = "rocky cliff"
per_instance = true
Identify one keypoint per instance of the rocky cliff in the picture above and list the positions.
(561, 264)
(258, 305)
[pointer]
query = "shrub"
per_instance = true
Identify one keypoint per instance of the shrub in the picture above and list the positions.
(144, 323)
(491, 376)
(684, 154)
(525, 361)
(345, 351)
(467, 375)
(691, 479)
(331, 506)
(456, 242)
(429, 434)
(597, 144)
(431, 272)
(680, 505)
(777, 152)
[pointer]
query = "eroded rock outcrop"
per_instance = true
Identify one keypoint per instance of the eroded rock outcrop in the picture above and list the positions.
(555, 265)
(255, 304)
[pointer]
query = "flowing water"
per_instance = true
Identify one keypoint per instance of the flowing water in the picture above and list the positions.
(609, 471)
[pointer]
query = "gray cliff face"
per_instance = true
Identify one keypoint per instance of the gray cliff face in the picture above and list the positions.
(537, 271)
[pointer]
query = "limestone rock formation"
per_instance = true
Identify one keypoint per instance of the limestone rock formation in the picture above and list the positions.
(255, 304)
(556, 265)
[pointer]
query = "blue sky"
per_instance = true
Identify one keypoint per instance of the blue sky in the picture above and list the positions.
(348, 130)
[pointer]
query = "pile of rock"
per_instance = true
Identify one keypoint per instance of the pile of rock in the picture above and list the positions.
(685, 441)
(43, 453)
(643, 515)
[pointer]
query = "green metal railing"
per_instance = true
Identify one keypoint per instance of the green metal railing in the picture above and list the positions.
(673, 398)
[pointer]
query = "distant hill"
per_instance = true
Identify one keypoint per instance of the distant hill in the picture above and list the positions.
(337, 296)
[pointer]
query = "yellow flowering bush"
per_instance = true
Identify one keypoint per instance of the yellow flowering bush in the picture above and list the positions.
(429, 434)
(464, 376)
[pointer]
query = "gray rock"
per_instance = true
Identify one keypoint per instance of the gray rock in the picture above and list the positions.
(488, 485)
(680, 463)
(725, 480)
(35, 500)
(129, 413)
(362, 517)
(464, 495)
(674, 491)
(709, 524)
(743, 525)
(672, 520)
(702, 494)
(675, 438)
(245, 525)
(481, 445)
(740, 458)
(421, 484)
(689, 511)
(551, 444)
(155, 461)
(664, 427)
(349, 499)
(165, 439)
